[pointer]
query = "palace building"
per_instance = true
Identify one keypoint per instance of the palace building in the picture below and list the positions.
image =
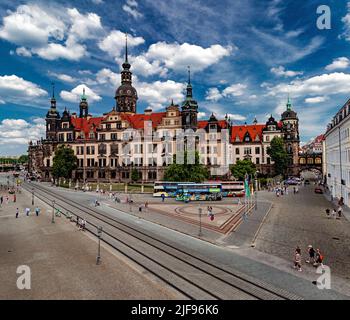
(109, 147)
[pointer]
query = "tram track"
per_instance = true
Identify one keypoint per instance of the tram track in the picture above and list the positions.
(193, 276)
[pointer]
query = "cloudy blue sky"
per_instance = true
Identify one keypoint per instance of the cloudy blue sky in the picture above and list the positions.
(245, 56)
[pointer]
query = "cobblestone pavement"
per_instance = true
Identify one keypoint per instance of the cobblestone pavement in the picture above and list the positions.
(300, 219)
(63, 260)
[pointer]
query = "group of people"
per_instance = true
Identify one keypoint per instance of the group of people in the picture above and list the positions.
(336, 213)
(27, 211)
(281, 190)
(315, 257)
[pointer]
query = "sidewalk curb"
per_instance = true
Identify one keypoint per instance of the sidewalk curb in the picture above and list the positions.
(253, 244)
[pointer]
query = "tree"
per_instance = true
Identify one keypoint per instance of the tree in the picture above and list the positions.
(64, 162)
(23, 158)
(195, 172)
(278, 155)
(135, 175)
(243, 167)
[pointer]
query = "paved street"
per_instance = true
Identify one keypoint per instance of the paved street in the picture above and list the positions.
(264, 267)
(300, 219)
(63, 260)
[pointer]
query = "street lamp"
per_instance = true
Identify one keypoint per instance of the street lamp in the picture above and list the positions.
(256, 189)
(53, 211)
(99, 235)
(32, 196)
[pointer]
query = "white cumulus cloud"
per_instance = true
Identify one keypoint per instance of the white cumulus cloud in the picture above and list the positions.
(339, 63)
(178, 56)
(49, 32)
(321, 85)
(75, 94)
(16, 89)
(114, 43)
(282, 72)
(16, 133)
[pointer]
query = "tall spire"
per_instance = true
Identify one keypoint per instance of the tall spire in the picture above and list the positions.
(289, 104)
(83, 97)
(53, 90)
(189, 74)
(189, 86)
(126, 47)
(53, 100)
(126, 64)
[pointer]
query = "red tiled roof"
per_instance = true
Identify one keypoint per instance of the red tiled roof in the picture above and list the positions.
(240, 131)
(203, 123)
(319, 138)
(137, 120)
(86, 124)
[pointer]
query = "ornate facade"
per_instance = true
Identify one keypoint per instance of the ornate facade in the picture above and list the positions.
(109, 147)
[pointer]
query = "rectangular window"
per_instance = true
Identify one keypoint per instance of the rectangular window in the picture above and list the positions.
(237, 150)
(257, 150)
(247, 150)
(257, 161)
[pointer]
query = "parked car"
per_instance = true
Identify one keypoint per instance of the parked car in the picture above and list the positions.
(319, 190)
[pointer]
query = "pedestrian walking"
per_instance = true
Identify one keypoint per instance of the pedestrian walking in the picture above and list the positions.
(319, 259)
(14, 198)
(297, 259)
(17, 213)
(27, 212)
(294, 191)
(163, 197)
(341, 201)
(7, 199)
(340, 209)
(140, 208)
(1, 200)
(334, 214)
(37, 210)
(311, 252)
(328, 213)
(146, 206)
(83, 225)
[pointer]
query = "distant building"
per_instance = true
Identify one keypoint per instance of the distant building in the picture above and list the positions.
(110, 146)
(337, 154)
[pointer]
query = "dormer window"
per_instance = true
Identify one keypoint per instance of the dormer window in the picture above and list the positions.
(65, 125)
(257, 138)
(237, 139)
(247, 137)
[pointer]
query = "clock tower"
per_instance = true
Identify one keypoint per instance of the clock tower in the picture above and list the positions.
(126, 94)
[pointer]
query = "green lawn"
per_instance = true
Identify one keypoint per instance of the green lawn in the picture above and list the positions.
(119, 187)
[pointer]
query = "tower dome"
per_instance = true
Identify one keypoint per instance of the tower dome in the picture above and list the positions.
(126, 95)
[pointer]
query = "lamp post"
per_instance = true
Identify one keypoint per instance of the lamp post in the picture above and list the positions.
(53, 211)
(256, 189)
(99, 235)
(200, 221)
(32, 196)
